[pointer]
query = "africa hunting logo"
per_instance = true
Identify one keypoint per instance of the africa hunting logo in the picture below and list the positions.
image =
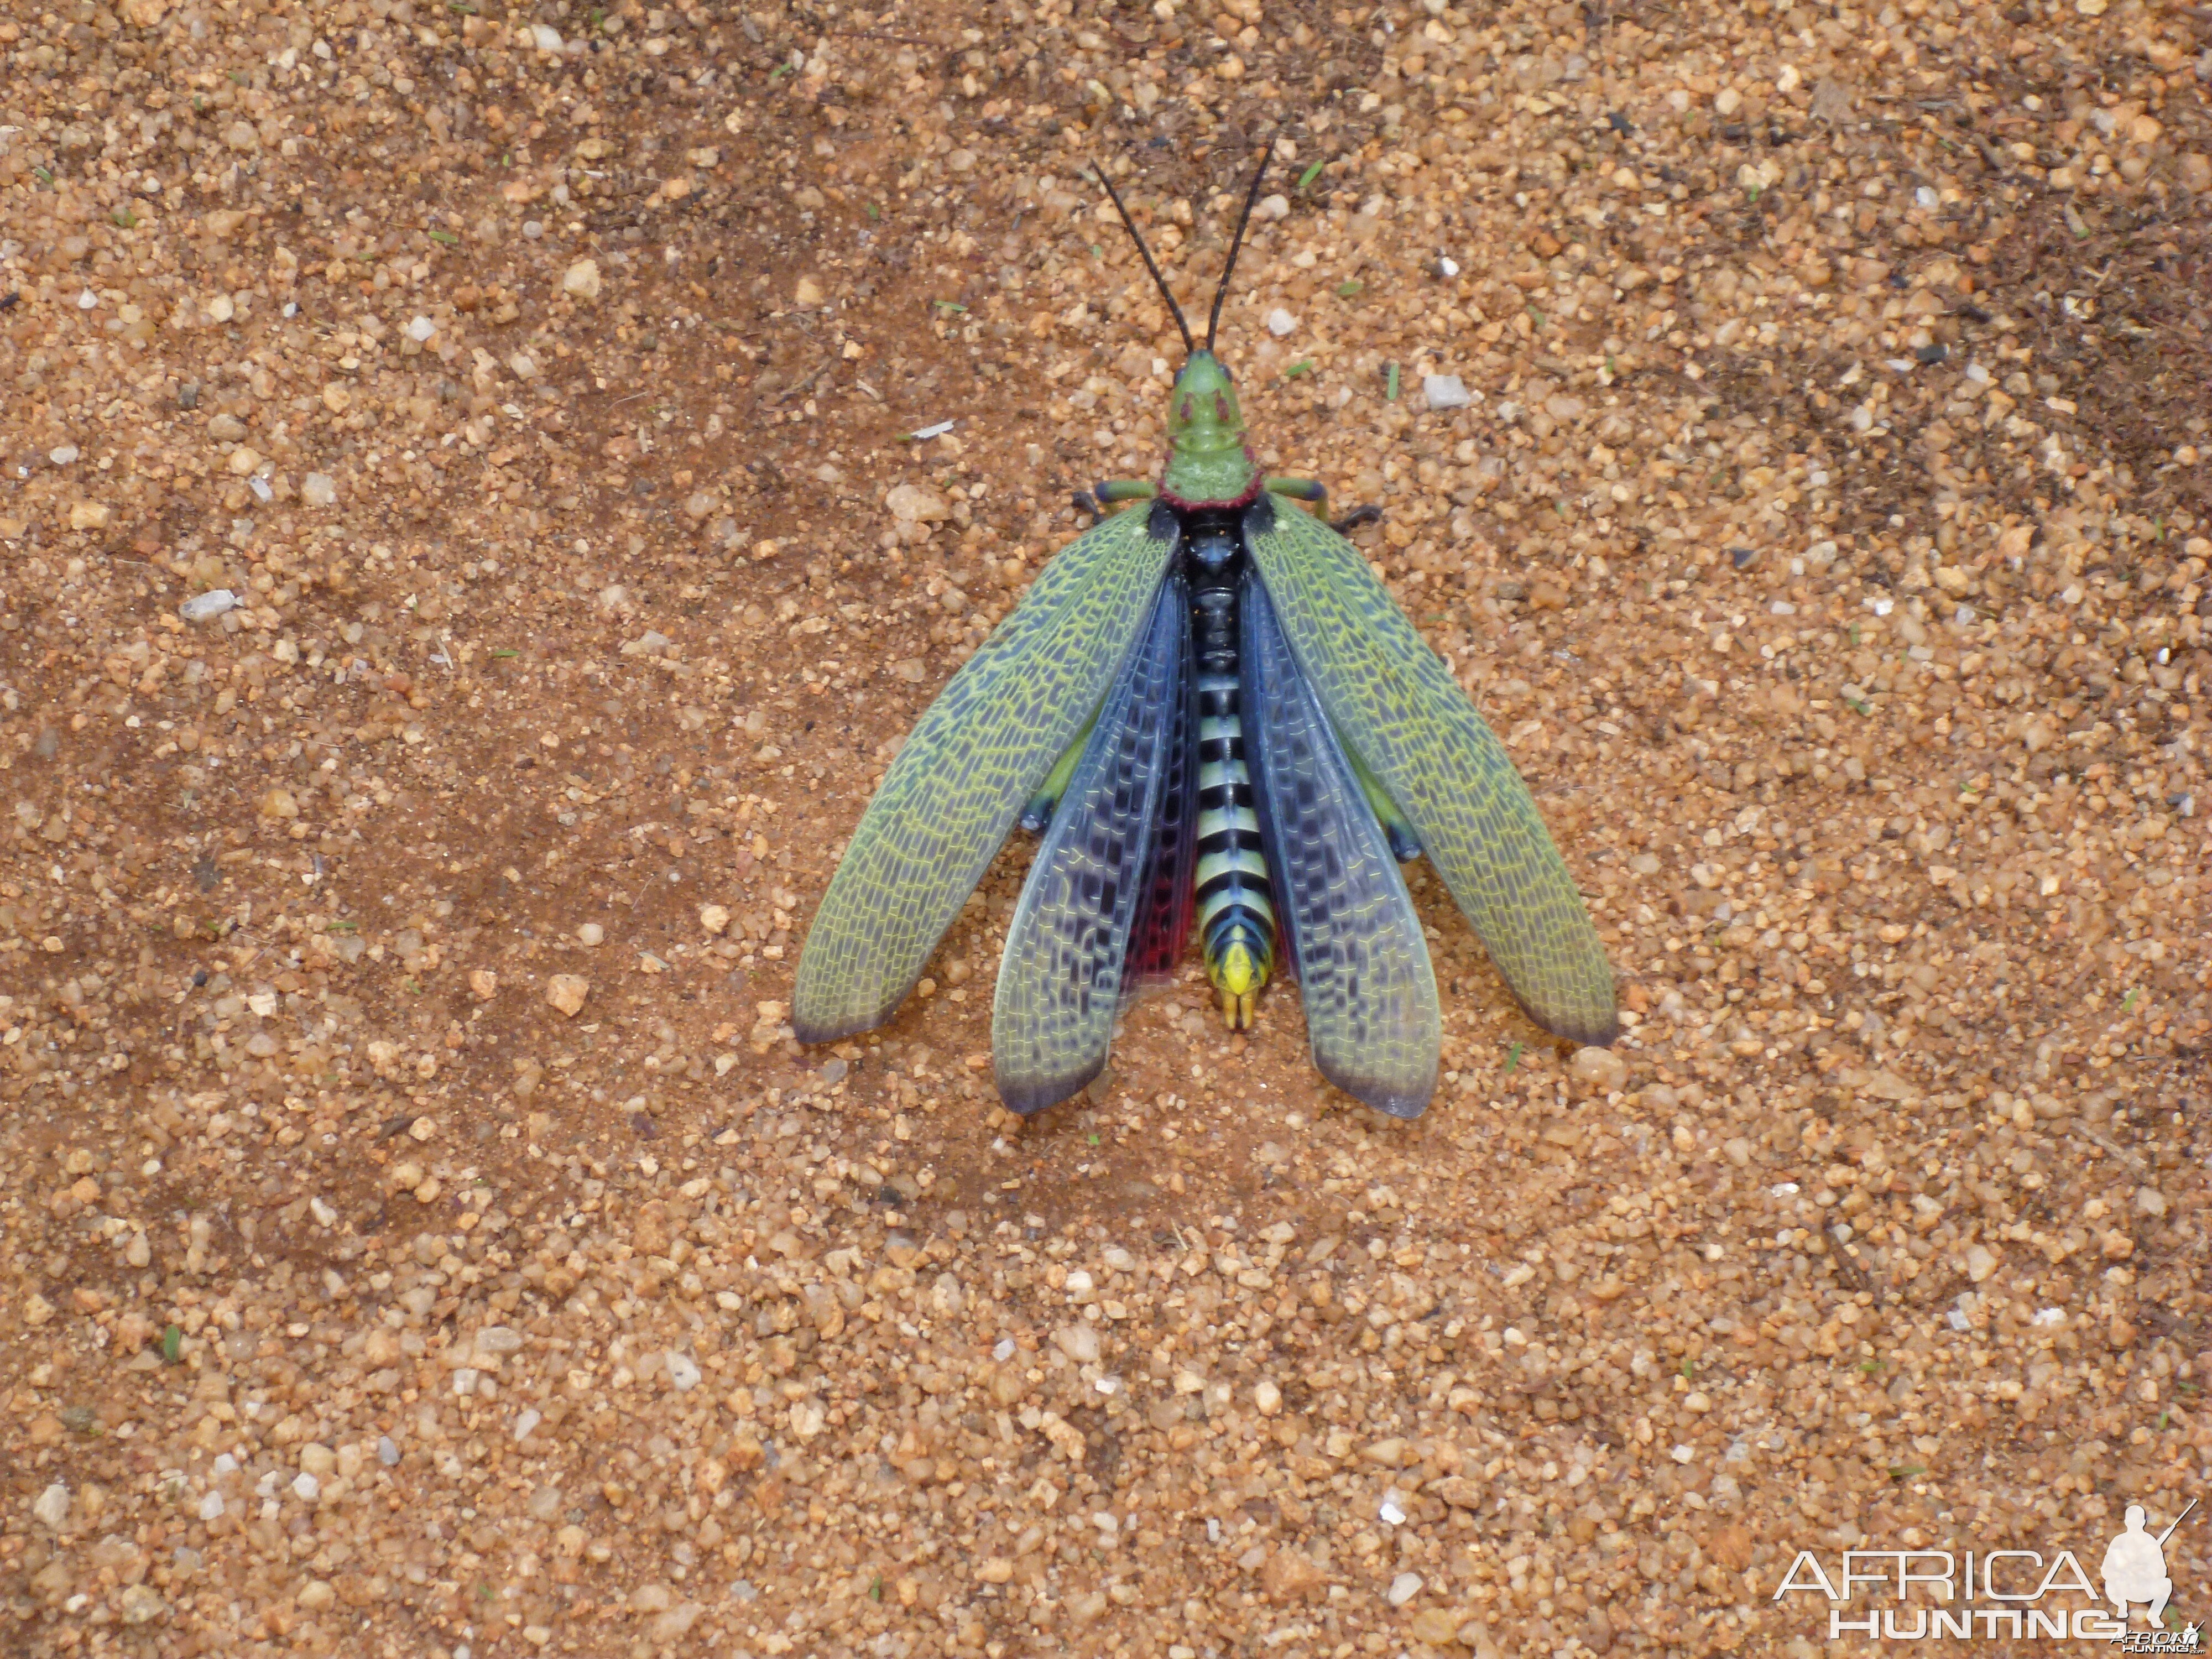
(2009, 1595)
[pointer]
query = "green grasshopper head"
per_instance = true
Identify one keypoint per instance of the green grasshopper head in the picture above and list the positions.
(1207, 458)
(1202, 416)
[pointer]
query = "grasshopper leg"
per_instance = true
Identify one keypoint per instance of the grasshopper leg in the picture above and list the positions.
(1300, 490)
(1110, 492)
(1311, 491)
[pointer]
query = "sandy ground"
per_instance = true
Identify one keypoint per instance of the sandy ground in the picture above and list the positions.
(420, 1235)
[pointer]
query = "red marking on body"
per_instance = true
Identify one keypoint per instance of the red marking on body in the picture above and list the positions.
(1251, 490)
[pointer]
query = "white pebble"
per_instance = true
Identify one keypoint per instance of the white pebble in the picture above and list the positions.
(259, 486)
(387, 1450)
(1926, 197)
(1444, 391)
(532, 230)
(582, 280)
(1280, 322)
(206, 607)
(465, 1381)
(211, 1506)
(545, 37)
(306, 1487)
(318, 490)
(522, 364)
(529, 1419)
(1079, 1342)
(590, 934)
(1004, 1351)
(1404, 1587)
(683, 1371)
(65, 455)
(224, 1464)
(1447, 267)
(1393, 1512)
(421, 328)
(86, 301)
(499, 1339)
(51, 1506)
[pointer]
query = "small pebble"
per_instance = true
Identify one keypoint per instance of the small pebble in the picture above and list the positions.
(206, 607)
(1600, 1068)
(528, 1419)
(318, 490)
(1280, 322)
(683, 1371)
(51, 1507)
(1404, 1587)
(387, 1450)
(582, 280)
(1445, 391)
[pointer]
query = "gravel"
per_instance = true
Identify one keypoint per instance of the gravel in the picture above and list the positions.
(489, 504)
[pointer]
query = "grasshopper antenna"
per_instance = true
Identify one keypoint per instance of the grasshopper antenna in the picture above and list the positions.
(1251, 196)
(1137, 236)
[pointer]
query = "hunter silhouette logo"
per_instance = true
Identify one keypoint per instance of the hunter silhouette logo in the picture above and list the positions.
(2008, 1595)
(2135, 1568)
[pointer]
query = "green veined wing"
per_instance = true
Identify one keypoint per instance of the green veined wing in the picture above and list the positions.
(1363, 967)
(1062, 977)
(1395, 705)
(972, 760)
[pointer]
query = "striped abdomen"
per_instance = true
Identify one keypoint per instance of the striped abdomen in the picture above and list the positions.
(1235, 921)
